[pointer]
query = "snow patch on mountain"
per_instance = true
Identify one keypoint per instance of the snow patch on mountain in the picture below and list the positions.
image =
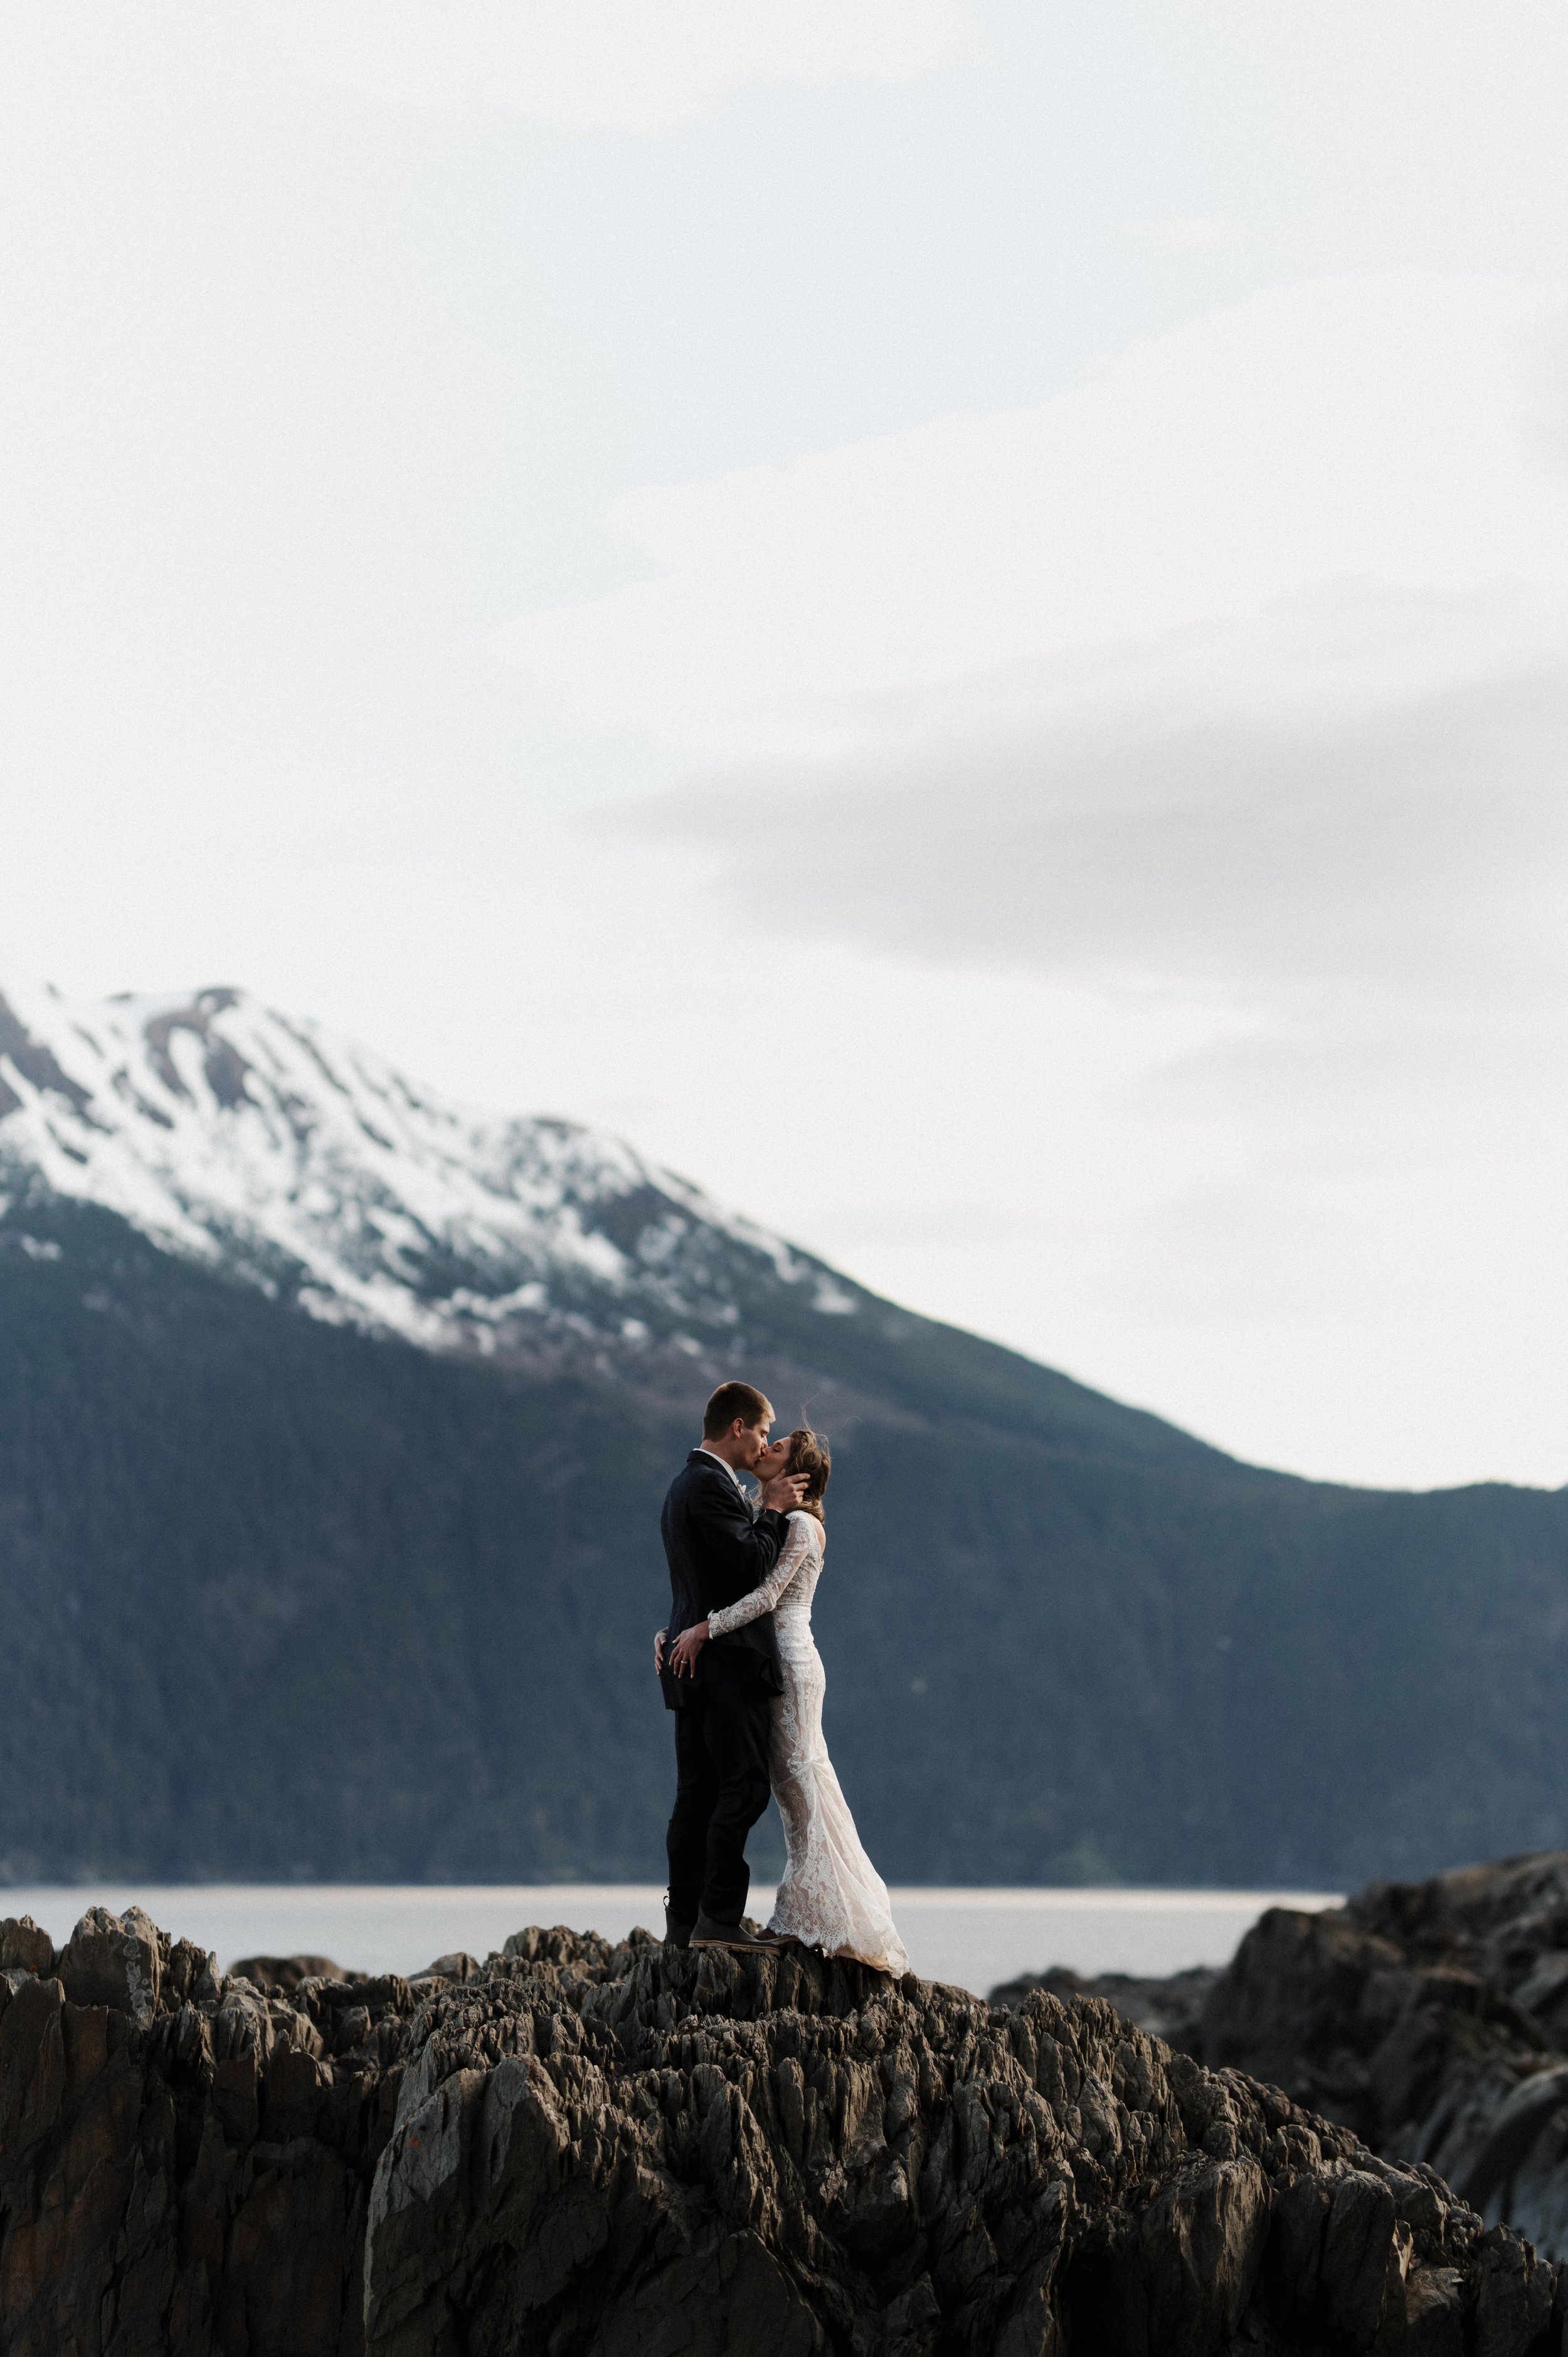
(262, 1145)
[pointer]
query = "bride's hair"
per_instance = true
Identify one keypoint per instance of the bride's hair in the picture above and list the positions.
(808, 1455)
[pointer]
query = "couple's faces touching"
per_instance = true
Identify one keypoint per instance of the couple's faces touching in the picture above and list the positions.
(773, 1459)
(746, 1447)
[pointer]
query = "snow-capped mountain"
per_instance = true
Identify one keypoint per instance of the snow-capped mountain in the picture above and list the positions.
(260, 1144)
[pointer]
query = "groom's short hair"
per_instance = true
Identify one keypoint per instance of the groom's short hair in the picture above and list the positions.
(731, 1400)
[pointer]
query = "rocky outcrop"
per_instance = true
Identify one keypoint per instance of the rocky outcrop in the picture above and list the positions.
(592, 2151)
(1430, 2017)
(1170, 2008)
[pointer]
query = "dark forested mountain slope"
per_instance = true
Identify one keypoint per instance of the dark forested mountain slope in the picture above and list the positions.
(334, 1422)
(278, 1598)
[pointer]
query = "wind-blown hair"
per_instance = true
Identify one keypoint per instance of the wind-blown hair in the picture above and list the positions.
(808, 1455)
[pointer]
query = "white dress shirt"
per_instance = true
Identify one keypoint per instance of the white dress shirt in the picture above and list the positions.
(728, 1467)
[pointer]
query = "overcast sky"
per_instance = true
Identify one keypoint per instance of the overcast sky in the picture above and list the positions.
(1002, 567)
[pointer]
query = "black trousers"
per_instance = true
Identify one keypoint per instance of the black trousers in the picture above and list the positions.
(721, 1786)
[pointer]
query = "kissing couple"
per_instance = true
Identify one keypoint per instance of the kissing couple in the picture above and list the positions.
(741, 1672)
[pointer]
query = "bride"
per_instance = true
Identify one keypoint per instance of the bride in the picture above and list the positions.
(832, 1897)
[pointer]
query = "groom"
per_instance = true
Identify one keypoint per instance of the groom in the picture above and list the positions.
(717, 1554)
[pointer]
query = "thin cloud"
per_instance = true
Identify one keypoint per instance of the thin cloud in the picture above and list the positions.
(1421, 846)
(1369, 895)
(1239, 674)
(1396, 433)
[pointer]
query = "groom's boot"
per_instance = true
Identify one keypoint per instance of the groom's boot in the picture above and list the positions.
(706, 1933)
(676, 1933)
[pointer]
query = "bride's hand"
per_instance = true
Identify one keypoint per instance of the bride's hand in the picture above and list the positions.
(683, 1652)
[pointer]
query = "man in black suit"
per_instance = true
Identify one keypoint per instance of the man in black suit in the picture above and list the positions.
(717, 1554)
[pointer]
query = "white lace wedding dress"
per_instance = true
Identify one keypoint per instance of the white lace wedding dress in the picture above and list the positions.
(831, 1896)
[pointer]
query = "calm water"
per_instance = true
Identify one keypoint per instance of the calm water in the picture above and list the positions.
(974, 1938)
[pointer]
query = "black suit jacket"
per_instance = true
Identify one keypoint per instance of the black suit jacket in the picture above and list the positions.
(717, 1554)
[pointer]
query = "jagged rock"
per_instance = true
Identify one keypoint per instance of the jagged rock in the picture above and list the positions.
(285, 1973)
(459, 1966)
(585, 2150)
(1170, 2008)
(22, 1943)
(1430, 2017)
(113, 1960)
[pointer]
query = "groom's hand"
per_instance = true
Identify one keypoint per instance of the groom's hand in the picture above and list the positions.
(659, 1636)
(784, 1492)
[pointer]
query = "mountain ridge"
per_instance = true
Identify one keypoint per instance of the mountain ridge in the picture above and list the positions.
(286, 1590)
(264, 1144)
(256, 1144)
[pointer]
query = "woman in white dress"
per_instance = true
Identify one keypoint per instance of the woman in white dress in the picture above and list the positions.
(832, 1897)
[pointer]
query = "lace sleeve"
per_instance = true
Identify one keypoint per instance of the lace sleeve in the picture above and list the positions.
(764, 1597)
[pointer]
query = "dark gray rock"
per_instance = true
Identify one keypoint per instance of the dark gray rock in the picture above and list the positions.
(285, 1973)
(112, 1960)
(1430, 2017)
(582, 2150)
(1170, 2008)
